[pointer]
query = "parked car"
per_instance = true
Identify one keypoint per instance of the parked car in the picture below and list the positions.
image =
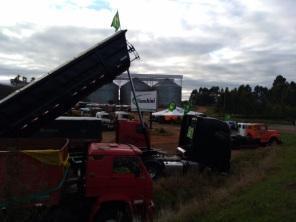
(232, 125)
(121, 115)
(106, 119)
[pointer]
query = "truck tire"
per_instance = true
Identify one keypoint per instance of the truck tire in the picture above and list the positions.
(273, 141)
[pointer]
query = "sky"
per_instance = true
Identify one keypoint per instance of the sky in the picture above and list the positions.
(222, 43)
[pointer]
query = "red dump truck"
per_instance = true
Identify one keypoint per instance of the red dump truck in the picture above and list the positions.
(77, 179)
(107, 182)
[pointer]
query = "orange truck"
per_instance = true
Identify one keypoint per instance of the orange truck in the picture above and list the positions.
(260, 133)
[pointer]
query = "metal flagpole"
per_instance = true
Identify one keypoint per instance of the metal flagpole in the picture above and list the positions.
(138, 109)
(135, 98)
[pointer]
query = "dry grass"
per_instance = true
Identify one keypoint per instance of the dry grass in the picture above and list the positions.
(161, 132)
(183, 198)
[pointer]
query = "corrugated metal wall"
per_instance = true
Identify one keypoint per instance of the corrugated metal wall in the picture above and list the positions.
(105, 94)
(125, 90)
(168, 91)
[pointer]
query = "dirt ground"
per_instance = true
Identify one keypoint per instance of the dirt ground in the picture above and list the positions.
(163, 136)
(166, 136)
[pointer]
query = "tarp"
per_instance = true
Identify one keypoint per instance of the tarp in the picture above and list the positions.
(51, 157)
(177, 112)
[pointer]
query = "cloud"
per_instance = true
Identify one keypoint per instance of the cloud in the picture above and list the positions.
(46, 49)
(219, 42)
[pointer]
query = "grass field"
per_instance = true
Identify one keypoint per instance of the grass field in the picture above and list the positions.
(261, 187)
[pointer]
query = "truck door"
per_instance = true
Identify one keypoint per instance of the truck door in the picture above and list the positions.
(263, 133)
(187, 133)
(98, 173)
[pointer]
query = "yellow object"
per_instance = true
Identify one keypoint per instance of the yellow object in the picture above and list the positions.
(50, 157)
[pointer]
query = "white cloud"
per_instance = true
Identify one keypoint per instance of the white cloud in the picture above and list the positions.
(204, 40)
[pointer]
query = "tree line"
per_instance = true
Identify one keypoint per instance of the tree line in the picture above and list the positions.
(279, 101)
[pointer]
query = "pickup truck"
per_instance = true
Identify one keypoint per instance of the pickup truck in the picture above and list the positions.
(106, 119)
(253, 135)
(260, 132)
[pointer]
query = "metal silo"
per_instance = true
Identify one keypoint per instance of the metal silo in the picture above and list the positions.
(168, 91)
(105, 95)
(125, 90)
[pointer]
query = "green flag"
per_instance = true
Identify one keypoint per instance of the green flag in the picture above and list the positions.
(187, 107)
(172, 106)
(116, 22)
(227, 117)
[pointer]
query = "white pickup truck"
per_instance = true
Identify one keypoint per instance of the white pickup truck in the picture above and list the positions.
(121, 115)
(107, 119)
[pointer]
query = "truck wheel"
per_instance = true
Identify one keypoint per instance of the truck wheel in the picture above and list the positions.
(273, 141)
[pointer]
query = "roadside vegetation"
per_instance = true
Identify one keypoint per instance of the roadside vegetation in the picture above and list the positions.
(160, 132)
(277, 102)
(260, 187)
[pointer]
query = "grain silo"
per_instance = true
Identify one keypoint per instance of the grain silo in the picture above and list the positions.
(125, 90)
(168, 91)
(105, 95)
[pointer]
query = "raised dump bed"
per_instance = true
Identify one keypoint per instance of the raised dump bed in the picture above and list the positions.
(38, 103)
(32, 171)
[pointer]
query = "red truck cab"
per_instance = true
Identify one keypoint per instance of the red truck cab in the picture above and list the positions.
(96, 183)
(117, 178)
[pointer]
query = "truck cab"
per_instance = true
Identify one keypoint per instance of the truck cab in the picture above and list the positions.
(118, 181)
(205, 140)
(96, 183)
(242, 128)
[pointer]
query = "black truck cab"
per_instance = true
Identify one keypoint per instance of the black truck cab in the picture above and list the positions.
(205, 140)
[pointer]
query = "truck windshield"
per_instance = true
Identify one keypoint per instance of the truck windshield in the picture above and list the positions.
(189, 131)
(126, 165)
(125, 116)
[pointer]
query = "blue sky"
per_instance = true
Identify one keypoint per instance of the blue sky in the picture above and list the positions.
(217, 42)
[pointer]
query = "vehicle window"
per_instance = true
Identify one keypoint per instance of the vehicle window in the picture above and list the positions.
(263, 127)
(126, 165)
(190, 132)
(125, 116)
